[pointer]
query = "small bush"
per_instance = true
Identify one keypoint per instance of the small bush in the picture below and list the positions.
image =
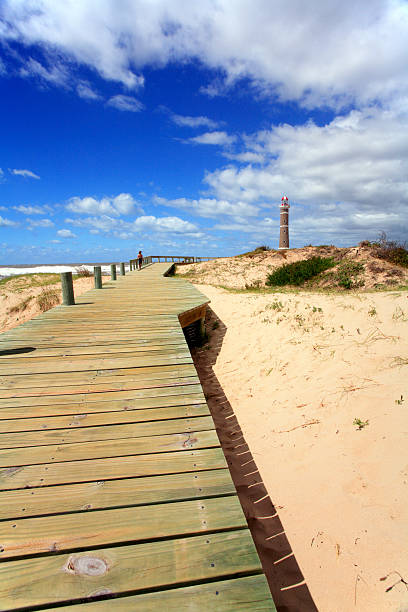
(82, 271)
(347, 273)
(48, 298)
(300, 271)
(260, 249)
(392, 251)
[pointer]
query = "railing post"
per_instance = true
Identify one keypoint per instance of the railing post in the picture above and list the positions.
(122, 268)
(130, 264)
(67, 289)
(98, 277)
(113, 271)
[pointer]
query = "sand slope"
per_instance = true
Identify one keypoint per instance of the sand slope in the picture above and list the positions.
(18, 301)
(298, 369)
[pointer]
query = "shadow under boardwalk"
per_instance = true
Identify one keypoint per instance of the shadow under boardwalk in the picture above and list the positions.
(113, 482)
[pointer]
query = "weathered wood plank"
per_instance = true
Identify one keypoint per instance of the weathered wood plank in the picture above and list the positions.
(116, 375)
(114, 493)
(89, 398)
(125, 569)
(127, 466)
(109, 432)
(53, 453)
(101, 418)
(237, 594)
(59, 409)
(87, 529)
(121, 384)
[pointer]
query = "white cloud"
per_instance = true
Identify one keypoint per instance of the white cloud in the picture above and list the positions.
(329, 53)
(125, 103)
(84, 90)
(66, 233)
(41, 223)
(350, 175)
(24, 173)
(145, 223)
(213, 138)
(7, 222)
(56, 74)
(210, 207)
(194, 122)
(32, 210)
(122, 204)
(248, 157)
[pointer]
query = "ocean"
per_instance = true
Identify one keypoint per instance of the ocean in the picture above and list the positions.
(54, 268)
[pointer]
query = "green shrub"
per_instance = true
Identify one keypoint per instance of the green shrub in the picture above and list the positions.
(300, 271)
(347, 273)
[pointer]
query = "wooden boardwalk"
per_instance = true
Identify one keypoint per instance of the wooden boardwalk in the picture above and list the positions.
(113, 482)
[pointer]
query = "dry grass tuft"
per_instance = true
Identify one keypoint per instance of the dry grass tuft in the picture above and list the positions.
(48, 298)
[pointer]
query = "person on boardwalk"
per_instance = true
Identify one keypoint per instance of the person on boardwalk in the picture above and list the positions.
(140, 259)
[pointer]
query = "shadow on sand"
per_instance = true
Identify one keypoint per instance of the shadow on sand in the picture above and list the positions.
(288, 588)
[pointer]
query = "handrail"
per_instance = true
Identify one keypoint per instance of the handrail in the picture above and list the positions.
(181, 259)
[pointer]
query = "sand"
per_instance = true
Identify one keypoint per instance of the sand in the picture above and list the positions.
(18, 300)
(298, 369)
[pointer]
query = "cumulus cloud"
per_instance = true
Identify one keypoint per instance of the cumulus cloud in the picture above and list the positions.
(145, 223)
(210, 207)
(66, 233)
(56, 74)
(41, 223)
(349, 175)
(32, 210)
(213, 138)
(319, 56)
(122, 204)
(194, 122)
(7, 222)
(85, 91)
(125, 103)
(24, 173)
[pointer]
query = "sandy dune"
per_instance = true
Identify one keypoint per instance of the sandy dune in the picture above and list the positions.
(18, 303)
(298, 369)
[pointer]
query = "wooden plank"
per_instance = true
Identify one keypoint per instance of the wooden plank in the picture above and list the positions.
(87, 529)
(102, 418)
(135, 568)
(128, 466)
(73, 364)
(129, 395)
(114, 493)
(94, 349)
(107, 448)
(237, 594)
(121, 384)
(109, 432)
(73, 378)
(58, 409)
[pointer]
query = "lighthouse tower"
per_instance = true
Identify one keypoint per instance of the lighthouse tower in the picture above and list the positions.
(284, 224)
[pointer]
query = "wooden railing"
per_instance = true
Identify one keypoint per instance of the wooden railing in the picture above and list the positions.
(181, 259)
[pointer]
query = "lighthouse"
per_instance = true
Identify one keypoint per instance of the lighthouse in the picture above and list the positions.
(284, 224)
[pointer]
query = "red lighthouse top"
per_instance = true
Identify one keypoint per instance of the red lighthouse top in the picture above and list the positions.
(285, 201)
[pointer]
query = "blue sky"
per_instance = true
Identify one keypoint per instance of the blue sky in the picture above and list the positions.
(176, 127)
